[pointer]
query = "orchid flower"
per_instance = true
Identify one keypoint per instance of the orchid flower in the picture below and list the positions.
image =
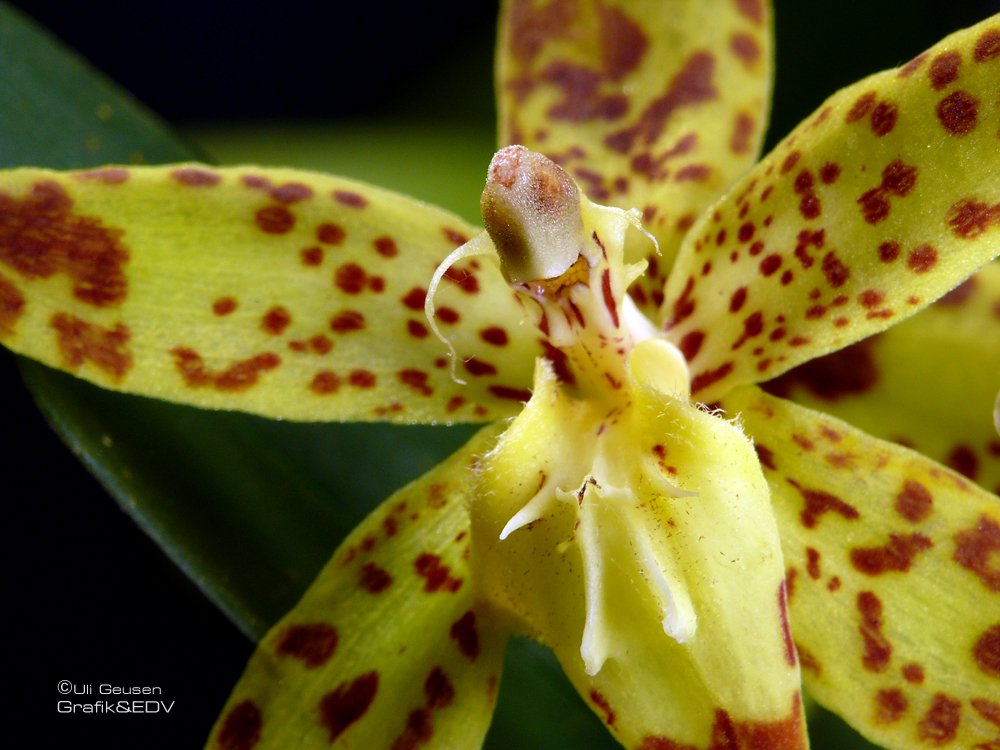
(692, 548)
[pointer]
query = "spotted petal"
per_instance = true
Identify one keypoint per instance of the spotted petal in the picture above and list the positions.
(388, 647)
(880, 203)
(647, 104)
(641, 547)
(893, 581)
(929, 383)
(278, 292)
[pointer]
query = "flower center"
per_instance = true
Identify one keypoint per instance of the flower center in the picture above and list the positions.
(566, 254)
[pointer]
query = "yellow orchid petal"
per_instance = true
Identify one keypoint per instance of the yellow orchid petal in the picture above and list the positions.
(893, 581)
(638, 542)
(646, 104)
(870, 210)
(279, 292)
(389, 647)
(929, 383)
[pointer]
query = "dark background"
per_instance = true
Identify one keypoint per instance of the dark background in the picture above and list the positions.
(87, 596)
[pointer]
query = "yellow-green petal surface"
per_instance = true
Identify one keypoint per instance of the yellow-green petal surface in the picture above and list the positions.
(389, 647)
(929, 383)
(881, 202)
(279, 292)
(893, 582)
(647, 558)
(648, 104)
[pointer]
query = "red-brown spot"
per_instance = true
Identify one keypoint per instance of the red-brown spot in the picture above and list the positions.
(753, 325)
(789, 162)
(690, 86)
(752, 10)
(454, 236)
(465, 280)
(350, 278)
(978, 550)
(690, 345)
(415, 298)
(40, 237)
(374, 579)
(940, 724)
(970, 218)
(275, 320)
(195, 176)
(745, 47)
(786, 630)
(463, 632)
(312, 644)
(709, 377)
(829, 173)
(311, 256)
(987, 46)
(890, 705)
(361, 379)
(737, 299)
(241, 727)
(349, 199)
(447, 315)
(684, 305)
(922, 259)
(765, 455)
(943, 69)
(878, 650)
(291, 192)
(861, 107)
(330, 234)
(912, 66)
(986, 652)
(913, 673)
(105, 175)
(888, 251)
(417, 329)
(346, 321)
(478, 368)
(812, 563)
(871, 298)
(275, 219)
(11, 306)
(347, 703)
(237, 377)
(770, 264)
(743, 129)
(914, 501)
(324, 383)
(106, 348)
(897, 179)
(958, 113)
(883, 118)
(603, 706)
(417, 380)
(437, 576)
(897, 555)
(834, 270)
(819, 502)
(510, 393)
(808, 660)
(386, 247)
(494, 335)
